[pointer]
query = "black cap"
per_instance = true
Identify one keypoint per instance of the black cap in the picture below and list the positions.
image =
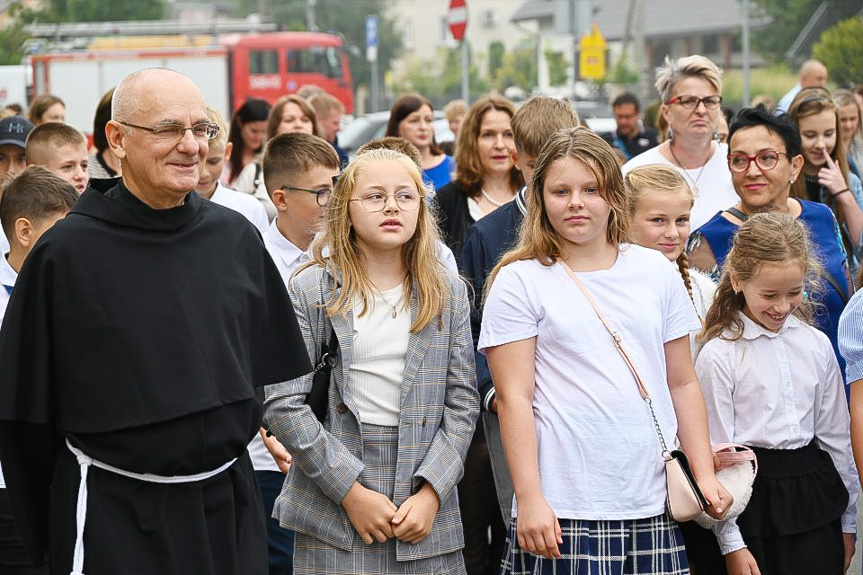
(14, 130)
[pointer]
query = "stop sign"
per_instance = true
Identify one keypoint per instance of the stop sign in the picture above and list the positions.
(457, 18)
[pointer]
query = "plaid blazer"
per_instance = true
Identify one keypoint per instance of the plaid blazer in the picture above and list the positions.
(439, 407)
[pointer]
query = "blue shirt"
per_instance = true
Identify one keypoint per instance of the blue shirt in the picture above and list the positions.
(440, 175)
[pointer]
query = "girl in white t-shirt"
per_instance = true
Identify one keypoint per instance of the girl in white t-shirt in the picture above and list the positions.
(660, 202)
(580, 442)
(771, 381)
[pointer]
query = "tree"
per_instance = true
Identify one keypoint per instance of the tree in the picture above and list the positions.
(101, 10)
(496, 51)
(519, 69)
(841, 50)
(788, 17)
(558, 68)
(444, 85)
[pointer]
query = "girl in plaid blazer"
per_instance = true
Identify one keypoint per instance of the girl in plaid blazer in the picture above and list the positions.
(373, 487)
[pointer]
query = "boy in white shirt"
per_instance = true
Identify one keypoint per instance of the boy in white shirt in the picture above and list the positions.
(300, 171)
(62, 150)
(210, 188)
(30, 205)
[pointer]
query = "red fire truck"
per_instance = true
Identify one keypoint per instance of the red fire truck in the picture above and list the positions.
(228, 68)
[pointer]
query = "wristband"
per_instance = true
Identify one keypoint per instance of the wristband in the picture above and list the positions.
(840, 192)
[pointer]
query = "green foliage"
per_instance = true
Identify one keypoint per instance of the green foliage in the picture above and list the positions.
(558, 68)
(12, 37)
(788, 17)
(841, 50)
(621, 73)
(496, 51)
(519, 69)
(101, 10)
(346, 18)
(442, 87)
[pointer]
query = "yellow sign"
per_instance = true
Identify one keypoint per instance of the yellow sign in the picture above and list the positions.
(591, 55)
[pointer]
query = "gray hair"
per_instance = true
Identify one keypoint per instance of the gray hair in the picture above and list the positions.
(694, 66)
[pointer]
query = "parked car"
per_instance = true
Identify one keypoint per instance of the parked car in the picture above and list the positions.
(372, 126)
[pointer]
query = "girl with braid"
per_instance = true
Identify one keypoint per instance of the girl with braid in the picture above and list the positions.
(660, 202)
(771, 382)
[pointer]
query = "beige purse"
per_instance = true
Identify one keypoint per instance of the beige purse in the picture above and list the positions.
(684, 500)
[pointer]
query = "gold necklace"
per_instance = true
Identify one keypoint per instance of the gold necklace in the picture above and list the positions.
(395, 313)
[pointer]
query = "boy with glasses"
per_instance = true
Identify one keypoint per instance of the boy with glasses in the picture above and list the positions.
(300, 171)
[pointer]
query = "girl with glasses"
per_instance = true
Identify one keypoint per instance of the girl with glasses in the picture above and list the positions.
(766, 162)
(373, 488)
(691, 89)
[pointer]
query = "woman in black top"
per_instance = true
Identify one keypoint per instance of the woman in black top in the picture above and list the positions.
(486, 176)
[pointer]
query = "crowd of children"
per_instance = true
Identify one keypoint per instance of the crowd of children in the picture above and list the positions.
(553, 294)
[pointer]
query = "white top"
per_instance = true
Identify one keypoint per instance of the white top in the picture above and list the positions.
(378, 361)
(245, 183)
(778, 391)
(243, 203)
(286, 255)
(474, 210)
(703, 293)
(4, 242)
(599, 456)
(287, 258)
(7, 278)
(715, 190)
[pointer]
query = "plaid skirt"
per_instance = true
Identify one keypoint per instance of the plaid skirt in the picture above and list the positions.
(314, 557)
(653, 545)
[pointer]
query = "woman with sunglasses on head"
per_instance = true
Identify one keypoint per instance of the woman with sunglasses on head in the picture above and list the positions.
(691, 89)
(766, 160)
(373, 489)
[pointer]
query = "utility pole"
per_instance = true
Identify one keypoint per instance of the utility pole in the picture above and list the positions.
(311, 23)
(746, 97)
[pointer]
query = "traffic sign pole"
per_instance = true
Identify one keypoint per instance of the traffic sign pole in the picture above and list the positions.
(457, 18)
(372, 57)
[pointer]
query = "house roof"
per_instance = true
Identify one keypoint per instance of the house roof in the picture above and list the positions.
(661, 17)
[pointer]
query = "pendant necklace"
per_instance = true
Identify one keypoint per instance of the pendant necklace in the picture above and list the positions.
(490, 199)
(395, 313)
(686, 171)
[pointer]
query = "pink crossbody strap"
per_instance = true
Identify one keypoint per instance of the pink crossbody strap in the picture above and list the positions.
(618, 342)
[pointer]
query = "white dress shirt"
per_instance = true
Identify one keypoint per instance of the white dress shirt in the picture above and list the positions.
(243, 203)
(778, 391)
(7, 278)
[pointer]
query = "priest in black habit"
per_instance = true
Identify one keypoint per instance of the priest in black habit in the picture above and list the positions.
(133, 342)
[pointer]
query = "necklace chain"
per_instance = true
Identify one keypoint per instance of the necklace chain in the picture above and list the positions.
(491, 200)
(686, 170)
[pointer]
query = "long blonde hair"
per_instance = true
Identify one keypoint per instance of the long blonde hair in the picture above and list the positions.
(538, 240)
(660, 178)
(338, 248)
(768, 238)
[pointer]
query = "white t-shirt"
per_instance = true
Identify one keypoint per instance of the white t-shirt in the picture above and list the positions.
(715, 190)
(7, 279)
(599, 456)
(243, 203)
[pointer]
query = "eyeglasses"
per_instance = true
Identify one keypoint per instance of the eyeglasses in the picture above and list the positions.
(322, 197)
(176, 132)
(765, 160)
(376, 201)
(691, 102)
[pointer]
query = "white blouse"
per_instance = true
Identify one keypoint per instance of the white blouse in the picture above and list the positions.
(778, 391)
